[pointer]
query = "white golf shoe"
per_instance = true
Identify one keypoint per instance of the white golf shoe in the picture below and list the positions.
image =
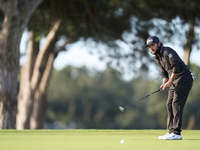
(172, 136)
(164, 136)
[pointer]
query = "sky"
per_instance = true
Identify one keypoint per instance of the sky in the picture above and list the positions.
(78, 56)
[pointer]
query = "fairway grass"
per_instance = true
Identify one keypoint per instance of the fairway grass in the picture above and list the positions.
(95, 140)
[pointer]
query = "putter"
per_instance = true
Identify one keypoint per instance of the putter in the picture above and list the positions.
(123, 108)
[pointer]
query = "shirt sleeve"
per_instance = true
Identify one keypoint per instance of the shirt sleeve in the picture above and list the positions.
(164, 73)
(173, 60)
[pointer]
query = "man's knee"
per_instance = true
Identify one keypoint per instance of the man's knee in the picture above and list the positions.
(169, 105)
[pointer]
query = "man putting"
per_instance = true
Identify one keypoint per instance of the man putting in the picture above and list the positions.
(178, 78)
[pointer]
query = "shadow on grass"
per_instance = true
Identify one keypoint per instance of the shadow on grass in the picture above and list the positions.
(192, 139)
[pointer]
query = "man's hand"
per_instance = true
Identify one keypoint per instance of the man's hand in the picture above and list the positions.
(167, 85)
(165, 80)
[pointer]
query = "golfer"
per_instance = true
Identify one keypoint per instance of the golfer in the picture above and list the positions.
(178, 78)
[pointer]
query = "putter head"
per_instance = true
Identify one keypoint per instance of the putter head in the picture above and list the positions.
(121, 108)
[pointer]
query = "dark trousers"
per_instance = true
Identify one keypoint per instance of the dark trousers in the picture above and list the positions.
(177, 97)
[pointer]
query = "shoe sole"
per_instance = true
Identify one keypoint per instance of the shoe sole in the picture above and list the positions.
(172, 139)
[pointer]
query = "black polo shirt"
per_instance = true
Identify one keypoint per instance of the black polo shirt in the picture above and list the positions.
(169, 62)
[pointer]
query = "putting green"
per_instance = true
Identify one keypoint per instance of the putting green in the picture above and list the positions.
(95, 140)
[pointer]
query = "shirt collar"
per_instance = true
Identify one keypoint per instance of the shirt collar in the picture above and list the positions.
(161, 49)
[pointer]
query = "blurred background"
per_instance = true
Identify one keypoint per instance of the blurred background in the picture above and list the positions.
(82, 59)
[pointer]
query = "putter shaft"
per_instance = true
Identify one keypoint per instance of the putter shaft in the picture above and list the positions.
(123, 108)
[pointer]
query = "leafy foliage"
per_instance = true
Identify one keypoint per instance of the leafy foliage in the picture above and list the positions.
(117, 22)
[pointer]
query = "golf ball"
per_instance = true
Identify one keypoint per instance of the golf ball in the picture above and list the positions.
(122, 141)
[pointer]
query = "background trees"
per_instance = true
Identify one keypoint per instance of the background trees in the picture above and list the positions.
(85, 98)
(111, 23)
(82, 98)
(71, 21)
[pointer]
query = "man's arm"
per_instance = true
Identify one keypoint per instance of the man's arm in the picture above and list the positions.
(168, 84)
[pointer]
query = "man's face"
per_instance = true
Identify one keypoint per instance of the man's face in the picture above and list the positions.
(153, 48)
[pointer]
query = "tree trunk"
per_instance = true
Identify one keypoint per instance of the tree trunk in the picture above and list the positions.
(39, 105)
(189, 42)
(25, 98)
(31, 98)
(16, 16)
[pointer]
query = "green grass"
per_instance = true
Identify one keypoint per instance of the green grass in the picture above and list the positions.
(95, 140)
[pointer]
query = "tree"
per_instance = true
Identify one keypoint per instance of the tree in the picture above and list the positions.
(34, 81)
(31, 98)
(101, 21)
(16, 16)
(189, 15)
